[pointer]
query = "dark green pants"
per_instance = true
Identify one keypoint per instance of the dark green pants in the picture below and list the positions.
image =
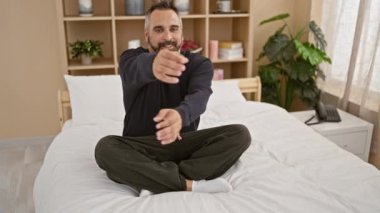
(143, 163)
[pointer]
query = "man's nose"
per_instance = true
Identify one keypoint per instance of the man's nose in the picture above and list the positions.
(168, 35)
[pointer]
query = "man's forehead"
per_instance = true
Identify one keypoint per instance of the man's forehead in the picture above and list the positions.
(164, 18)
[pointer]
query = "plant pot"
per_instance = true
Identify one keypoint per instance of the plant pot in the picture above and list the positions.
(85, 7)
(134, 7)
(86, 60)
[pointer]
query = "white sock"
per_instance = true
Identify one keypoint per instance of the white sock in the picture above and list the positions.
(233, 170)
(212, 186)
(145, 192)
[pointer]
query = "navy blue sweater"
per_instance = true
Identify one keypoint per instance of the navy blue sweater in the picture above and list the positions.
(144, 95)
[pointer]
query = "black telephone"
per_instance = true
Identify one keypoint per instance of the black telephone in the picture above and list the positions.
(327, 113)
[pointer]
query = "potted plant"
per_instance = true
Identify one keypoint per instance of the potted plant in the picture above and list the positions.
(292, 69)
(86, 50)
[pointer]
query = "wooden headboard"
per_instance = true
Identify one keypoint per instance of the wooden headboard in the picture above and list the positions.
(248, 86)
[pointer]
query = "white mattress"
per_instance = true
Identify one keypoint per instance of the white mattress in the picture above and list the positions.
(288, 168)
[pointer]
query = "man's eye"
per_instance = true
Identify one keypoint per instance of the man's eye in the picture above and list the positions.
(158, 30)
(174, 29)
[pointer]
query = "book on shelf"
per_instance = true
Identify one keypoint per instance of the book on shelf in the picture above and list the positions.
(224, 53)
(230, 44)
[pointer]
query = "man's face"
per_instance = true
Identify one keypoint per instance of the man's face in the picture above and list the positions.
(164, 31)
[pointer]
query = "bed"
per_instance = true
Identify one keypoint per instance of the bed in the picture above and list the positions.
(287, 168)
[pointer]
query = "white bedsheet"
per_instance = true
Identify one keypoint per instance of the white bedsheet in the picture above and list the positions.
(288, 168)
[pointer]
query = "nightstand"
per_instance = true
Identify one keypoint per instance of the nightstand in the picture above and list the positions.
(352, 133)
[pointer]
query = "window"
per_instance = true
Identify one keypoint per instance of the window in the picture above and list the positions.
(342, 29)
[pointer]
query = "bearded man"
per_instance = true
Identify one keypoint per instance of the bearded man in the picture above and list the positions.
(165, 92)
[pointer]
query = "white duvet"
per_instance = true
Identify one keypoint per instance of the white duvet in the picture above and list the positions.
(288, 168)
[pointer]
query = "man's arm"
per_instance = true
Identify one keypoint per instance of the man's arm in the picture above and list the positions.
(199, 91)
(170, 121)
(135, 69)
(138, 67)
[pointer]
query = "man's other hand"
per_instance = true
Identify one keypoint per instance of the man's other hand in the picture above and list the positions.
(168, 66)
(169, 124)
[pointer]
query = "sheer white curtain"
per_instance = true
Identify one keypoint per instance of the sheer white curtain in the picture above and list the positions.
(352, 31)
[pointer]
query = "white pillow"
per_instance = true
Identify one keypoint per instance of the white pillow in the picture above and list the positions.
(95, 99)
(225, 92)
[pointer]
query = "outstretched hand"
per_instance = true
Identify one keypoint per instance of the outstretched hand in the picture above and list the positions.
(169, 124)
(168, 66)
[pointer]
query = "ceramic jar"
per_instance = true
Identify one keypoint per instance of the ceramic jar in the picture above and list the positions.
(134, 7)
(223, 5)
(85, 7)
(182, 6)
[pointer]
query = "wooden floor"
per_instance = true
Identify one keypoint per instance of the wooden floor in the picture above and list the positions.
(19, 165)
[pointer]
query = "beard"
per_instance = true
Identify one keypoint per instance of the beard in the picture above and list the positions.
(174, 46)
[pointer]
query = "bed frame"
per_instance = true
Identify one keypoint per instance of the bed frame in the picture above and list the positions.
(248, 86)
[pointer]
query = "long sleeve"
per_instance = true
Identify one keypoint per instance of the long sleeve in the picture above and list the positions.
(145, 96)
(198, 92)
(135, 69)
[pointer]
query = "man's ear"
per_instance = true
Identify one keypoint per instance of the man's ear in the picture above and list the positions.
(146, 35)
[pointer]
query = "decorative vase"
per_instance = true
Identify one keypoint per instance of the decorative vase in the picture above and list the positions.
(85, 7)
(86, 60)
(182, 6)
(213, 49)
(134, 7)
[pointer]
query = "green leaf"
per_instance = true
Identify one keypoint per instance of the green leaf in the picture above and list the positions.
(301, 70)
(269, 94)
(275, 18)
(269, 74)
(271, 86)
(310, 93)
(289, 94)
(310, 53)
(280, 30)
(279, 48)
(262, 54)
(319, 37)
(91, 48)
(299, 34)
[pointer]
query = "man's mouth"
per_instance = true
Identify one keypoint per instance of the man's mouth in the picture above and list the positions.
(170, 45)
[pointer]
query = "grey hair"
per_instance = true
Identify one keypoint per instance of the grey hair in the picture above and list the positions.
(162, 5)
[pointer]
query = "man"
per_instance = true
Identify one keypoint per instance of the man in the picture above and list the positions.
(165, 92)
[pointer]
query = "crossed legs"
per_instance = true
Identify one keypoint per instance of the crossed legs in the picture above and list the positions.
(142, 162)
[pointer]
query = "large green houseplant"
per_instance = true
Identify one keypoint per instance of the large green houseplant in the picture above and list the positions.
(86, 50)
(292, 69)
